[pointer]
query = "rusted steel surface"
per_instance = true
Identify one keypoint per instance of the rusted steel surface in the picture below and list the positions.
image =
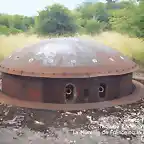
(67, 58)
(24, 88)
(135, 96)
(53, 90)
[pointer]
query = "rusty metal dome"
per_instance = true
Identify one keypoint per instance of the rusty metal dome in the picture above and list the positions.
(67, 57)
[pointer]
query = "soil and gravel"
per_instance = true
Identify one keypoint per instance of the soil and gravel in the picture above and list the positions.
(118, 125)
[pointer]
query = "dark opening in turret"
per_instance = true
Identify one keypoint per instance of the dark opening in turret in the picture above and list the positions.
(102, 90)
(69, 93)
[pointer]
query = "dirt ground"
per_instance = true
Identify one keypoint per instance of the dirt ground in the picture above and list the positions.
(116, 125)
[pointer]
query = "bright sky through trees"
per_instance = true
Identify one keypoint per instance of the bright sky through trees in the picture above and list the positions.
(30, 7)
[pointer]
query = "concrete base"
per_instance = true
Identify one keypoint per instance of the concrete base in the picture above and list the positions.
(135, 96)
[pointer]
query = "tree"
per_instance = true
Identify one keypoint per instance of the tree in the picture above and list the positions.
(4, 20)
(92, 14)
(89, 17)
(93, 26)
(28, 22)
(129, 20)
(55, 19)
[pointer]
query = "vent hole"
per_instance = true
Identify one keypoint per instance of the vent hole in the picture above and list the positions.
(102, 90)
(69, 93)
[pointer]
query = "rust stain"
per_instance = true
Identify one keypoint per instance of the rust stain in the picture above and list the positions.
(137, 95)
(34, 94)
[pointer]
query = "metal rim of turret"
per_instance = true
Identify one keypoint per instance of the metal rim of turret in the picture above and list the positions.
(137, 95)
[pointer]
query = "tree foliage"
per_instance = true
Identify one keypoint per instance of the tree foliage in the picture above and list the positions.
(55, 19)
(88, 17)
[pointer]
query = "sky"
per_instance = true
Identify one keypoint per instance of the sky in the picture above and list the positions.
(30, 7)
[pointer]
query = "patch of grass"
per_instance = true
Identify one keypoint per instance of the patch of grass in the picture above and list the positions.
(132, 47)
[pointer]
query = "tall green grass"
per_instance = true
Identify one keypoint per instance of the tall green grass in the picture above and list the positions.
(7, 31)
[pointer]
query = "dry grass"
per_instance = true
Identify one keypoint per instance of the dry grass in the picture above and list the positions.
(123, 43)
(129, 46)
(132, 47)
(9, 43)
